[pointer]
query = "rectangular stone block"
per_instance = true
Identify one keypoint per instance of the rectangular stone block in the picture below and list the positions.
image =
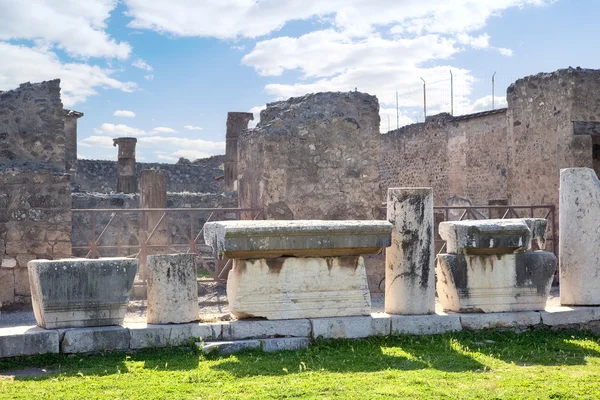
(281, 344)
(96, 339)
(81, 292)
(425, 324)
(491, 236)
(258, 329)
(495, 283)
(266, 345)
(27, 341)
(311, 238)
(554, 316)
(290, 287)
(144, 335)
(500, 320)
(351, 327)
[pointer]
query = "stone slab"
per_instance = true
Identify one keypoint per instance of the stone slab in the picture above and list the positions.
(495, 283)
(95, 339)
(490, 236)
(27, 341)
(172, 289)
(81, 292)
(266, 345)
(351, 327)
(477, 321)
(144, 335)
(291, 287)
(255, 329)
(300, 238)
(579, 252)
(556, 316)
(425, 324)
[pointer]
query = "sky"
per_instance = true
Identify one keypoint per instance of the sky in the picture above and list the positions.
(167, 72)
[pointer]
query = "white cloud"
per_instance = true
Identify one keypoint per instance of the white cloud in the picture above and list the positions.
(119, 130)
(189, 154)
(77, 27)
(96, 141)
(505, 52)
(149, 77)
(184, 143)
(141, 64)
(78, 80)
(163, 129)
(192, 128)
(124, 113)
(256, 112)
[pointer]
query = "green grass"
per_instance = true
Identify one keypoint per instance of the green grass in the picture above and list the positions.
(483, 365)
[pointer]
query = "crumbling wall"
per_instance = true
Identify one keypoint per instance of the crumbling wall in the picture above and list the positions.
(236, 123)
(457, 156)
(199, 177)
(35, 201)
(313, 157)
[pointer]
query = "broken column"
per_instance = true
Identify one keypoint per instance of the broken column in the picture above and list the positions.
(126, 172)
(172, 289)
(236, 123)
(579, 236)
(486, 267)
(153, 225)
(297, 269)
(70, 118)
(410, 260)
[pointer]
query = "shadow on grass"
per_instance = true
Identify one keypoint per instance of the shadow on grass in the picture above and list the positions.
(542, 347)
(367, 355)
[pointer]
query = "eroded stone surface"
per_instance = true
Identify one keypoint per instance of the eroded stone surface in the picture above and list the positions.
(96, 339)
(144, 335)
(491, 236)
(245, 329)
(351, 327)
(312, 238)
(290, 287)
(81, 292)
(410, 260)
(27, 341)
(478, 321)
(172, 289)
(425, 324)
(496, 283)
(579, 219)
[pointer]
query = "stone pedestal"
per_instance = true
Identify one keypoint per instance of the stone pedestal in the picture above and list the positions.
(237, 122)
(126, 169)
(74, 293)
(297, 269)
(291, 287)
(579, 236)
(172, 289)
(410, 260)
(488, 270)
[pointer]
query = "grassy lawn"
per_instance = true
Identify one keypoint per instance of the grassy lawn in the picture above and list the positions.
(488, 365)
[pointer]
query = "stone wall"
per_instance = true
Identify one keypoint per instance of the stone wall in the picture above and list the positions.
(35, 200)
(511, 156)
(313, 157)
(202, 176)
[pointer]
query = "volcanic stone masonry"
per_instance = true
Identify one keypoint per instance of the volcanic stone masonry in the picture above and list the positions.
(126, 172)
(236, 123)
(297, 269)
(313, 157)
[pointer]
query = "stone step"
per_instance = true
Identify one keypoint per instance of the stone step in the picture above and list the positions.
(268, 345)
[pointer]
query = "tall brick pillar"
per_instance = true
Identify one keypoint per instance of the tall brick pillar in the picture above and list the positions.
(126, 173)
(236, 123)
(153, 232)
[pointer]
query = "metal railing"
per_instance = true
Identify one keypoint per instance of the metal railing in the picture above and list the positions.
(136, 233)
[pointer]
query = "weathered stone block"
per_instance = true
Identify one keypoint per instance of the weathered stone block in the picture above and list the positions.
(498, 283)
(253, 329)
(579, 218)
(22, 286)
(81, 292)
(425, 324)
(492, 236)
(266, 345)
(96, 339)
(557, 316)
(410, 260)
(145, 335)
(290, 287)
(478, 321)
(7, 285)
(351, 327)
(172, 289)
(27, 341)
(273, 239)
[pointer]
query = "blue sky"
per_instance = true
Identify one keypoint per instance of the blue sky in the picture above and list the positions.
(168, 72)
